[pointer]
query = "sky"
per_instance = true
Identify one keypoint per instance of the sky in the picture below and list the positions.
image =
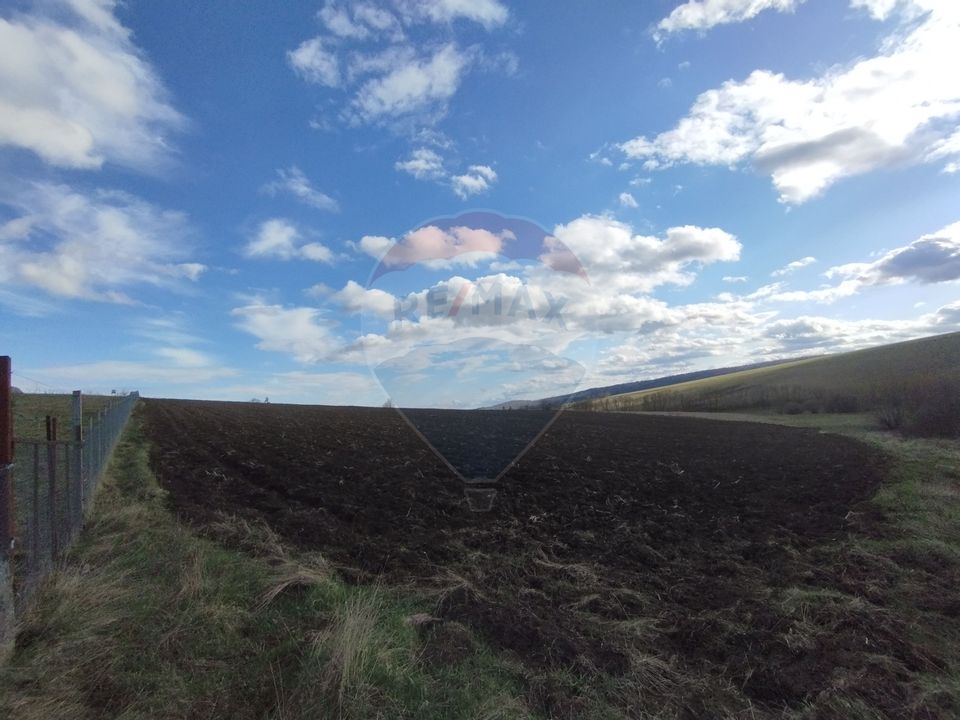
(460, 202)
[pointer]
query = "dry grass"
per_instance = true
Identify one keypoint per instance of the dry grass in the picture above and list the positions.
(149, 619)
(349, 645)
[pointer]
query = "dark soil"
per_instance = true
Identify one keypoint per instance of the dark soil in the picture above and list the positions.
(677, 552)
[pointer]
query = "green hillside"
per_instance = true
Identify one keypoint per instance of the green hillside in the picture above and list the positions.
(847, 382)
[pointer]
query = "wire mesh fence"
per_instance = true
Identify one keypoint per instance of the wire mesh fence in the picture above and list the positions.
(54, 481)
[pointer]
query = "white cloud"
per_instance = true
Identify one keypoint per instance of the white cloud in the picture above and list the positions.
(315, 62)
(614, 301)
(390, 77)
(275, 238)
(705, 14)
(476, 180)
(365, 20)
(436, 247)
(422, 85)
(114, 374)
(946, 148)
(93, 246)
(804, 334)
(735, 278)
(614, 257)
(932, 258)
(898, 106)
(628, 200)
(298, 331)
(706, 339)
(185, 357)
(423, 164)
(279, 239)
(878, 9)
(426, 164)
(824, 295)
(374, 245)
(78, 93)
(357, 299)
(323, 388)
(359, 20)
(793, 266)
(489, 13)
(317, 252)
(293, 181)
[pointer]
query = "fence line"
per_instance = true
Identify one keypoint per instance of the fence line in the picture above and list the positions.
(52, 483)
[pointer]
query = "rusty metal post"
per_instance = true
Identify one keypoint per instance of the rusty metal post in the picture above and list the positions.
(7, 496)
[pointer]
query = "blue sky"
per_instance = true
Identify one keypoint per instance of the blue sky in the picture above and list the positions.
(195, 197)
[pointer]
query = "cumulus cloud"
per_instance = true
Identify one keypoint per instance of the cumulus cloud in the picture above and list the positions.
(624, 269)
(280, 239)
(426, 164)
(735, 278)
(374, 245)
(476, 180)
(76, 91)
(616, 257)
(357, 299)
(895, 107)
(435, 247)
(816, 333)
(294, 182)
(93, 245)
(302, 332)
(793, 266)
(932, 258)
(421, 85)
(627, 200)
(423, 164)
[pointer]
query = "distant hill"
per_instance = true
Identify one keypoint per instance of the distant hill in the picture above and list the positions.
(628, 387)
(841, 382)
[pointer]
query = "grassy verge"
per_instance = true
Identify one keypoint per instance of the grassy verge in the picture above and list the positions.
(147, 619)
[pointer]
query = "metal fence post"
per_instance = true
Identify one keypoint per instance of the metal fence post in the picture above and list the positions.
(91, 463)
(52, 486)
(77, 480)
(7, 496)
(7, 511)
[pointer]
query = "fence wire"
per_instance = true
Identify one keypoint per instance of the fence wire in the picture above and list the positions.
(54, 482)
